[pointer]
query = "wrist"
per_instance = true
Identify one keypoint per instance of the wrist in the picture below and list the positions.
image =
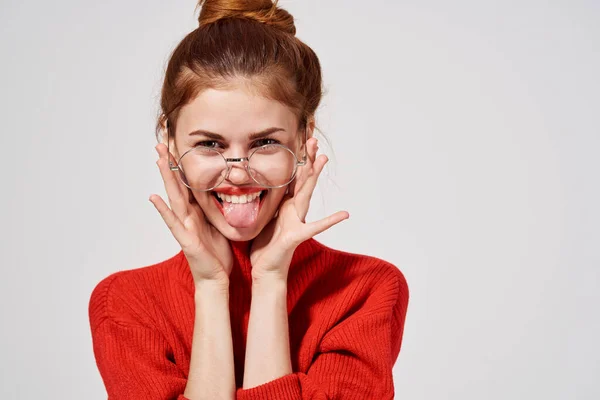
(212, 285)
(269, 279)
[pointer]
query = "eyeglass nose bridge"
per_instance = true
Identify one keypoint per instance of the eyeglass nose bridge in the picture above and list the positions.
(229, 160)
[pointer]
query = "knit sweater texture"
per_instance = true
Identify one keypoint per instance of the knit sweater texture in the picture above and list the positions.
(346, 316)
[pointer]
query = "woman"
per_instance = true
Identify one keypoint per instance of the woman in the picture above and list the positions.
(252, 307)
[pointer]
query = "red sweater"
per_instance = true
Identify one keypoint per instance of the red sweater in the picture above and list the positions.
(346, 315)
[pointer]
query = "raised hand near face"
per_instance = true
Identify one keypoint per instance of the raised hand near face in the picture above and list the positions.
(273, 248)
(208, 252)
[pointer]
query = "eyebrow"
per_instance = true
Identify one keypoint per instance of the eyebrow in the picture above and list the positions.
(252, 136)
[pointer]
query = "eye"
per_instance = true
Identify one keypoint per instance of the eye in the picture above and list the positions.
(265, 141)
(212, 144)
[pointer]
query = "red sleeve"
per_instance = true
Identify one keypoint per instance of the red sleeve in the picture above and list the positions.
(134, 363)
(355, 358)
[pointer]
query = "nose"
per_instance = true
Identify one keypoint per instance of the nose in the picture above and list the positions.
(238, 173)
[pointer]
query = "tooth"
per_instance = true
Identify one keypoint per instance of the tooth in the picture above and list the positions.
(245, 198)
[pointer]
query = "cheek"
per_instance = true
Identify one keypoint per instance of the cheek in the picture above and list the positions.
(204, 200)
(274, 199)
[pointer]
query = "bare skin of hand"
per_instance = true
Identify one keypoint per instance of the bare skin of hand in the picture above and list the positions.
(273, 248)
(208, 252)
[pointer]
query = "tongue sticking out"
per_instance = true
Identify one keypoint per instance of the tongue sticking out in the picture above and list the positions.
(241, 215)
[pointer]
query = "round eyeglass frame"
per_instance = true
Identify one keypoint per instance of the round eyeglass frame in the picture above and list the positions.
(229, 160)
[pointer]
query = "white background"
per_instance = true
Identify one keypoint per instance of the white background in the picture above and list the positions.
(464, 143)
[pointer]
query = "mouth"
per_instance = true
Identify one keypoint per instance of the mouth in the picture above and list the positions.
(222, 199)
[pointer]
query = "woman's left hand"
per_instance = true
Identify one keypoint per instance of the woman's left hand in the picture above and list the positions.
(273, 248)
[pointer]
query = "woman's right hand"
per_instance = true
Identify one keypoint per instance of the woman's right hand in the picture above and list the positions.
(208, 252)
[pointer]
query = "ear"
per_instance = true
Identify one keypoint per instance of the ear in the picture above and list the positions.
(163, 129)
(310, 127)
(168, 138)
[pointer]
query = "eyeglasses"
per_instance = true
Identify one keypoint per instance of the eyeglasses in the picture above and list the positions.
(204, 168)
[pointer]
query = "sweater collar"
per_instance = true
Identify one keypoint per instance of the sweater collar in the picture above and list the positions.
(241, 259)
(241, 269)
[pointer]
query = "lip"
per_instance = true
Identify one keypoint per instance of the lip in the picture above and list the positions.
(238, 191)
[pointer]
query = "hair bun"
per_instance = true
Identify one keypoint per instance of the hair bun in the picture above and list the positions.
(263, 11)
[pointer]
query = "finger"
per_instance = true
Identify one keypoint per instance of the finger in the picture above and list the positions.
(314, 228)
(178, 198)
(172, 221)
(304, 195)
(315, 147)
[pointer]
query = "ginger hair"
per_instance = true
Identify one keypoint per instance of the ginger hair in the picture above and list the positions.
(249, 41)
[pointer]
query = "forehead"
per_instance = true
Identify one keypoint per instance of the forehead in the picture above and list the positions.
(234, 112)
